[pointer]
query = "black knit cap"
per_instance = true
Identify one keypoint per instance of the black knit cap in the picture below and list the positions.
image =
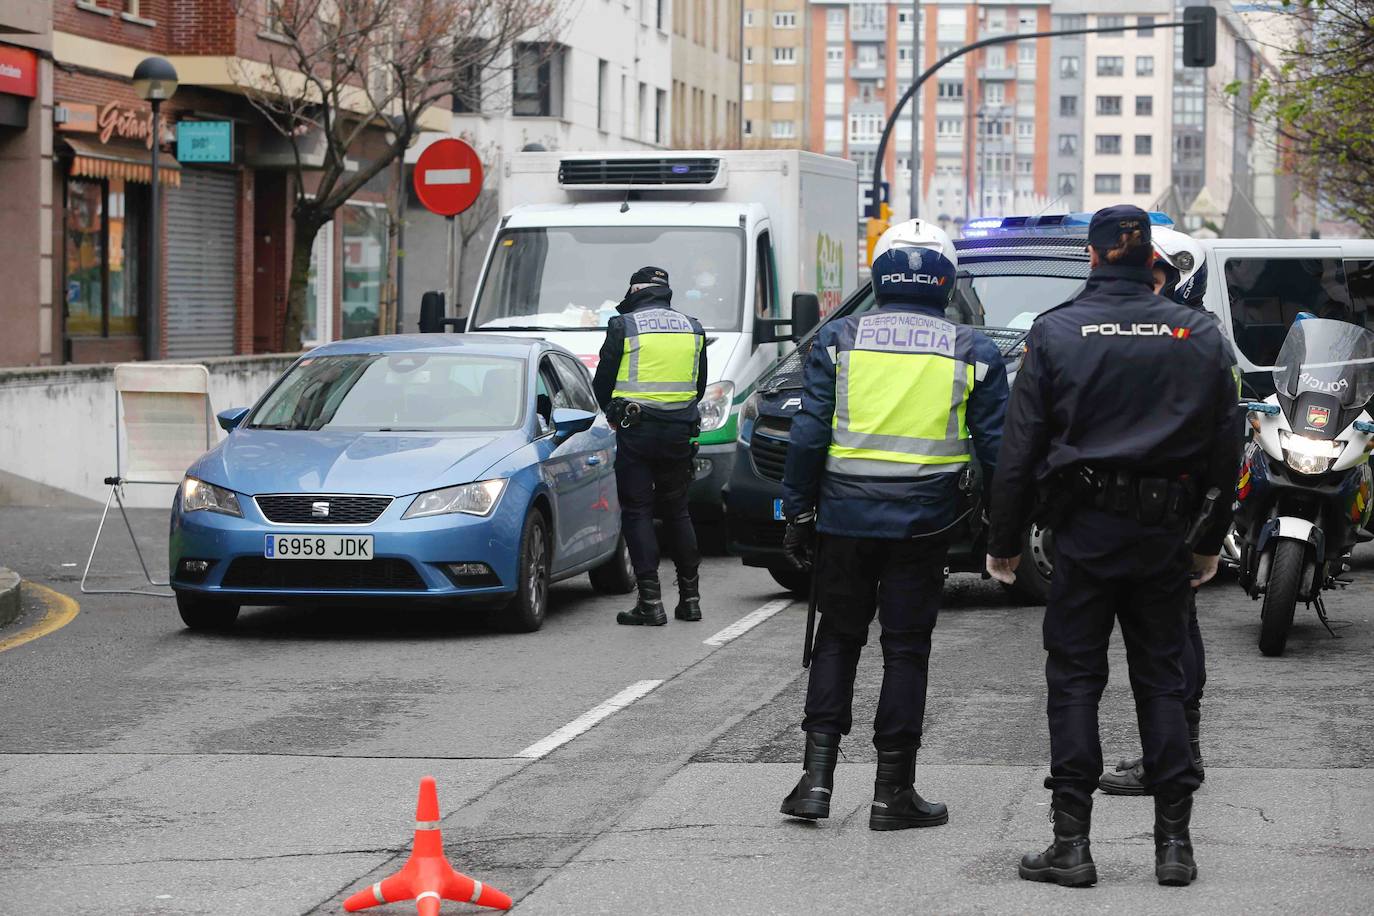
(1109, 223)
(656, 276)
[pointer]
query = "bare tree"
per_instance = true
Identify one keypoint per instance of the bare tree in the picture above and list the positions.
(340, 69)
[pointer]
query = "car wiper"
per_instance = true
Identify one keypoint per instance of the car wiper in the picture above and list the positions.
(402, 429)
(274, 426)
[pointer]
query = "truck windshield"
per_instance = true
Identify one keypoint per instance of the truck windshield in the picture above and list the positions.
(572, 277)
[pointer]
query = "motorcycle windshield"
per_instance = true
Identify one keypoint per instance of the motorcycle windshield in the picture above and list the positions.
(1328, 357)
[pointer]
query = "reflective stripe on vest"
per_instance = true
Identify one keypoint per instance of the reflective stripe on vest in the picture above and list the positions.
(901, 392)
(660, 359)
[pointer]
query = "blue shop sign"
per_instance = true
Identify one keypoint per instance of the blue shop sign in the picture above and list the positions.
(205, 141)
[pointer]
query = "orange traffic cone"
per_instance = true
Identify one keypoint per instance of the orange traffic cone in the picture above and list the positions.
(427, 877)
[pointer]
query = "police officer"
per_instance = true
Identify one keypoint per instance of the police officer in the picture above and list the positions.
(881, 449)
(651, 376)
(1125, 410)
(1180, 274)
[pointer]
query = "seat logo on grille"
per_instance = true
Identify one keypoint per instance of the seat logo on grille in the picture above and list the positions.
(319, 510)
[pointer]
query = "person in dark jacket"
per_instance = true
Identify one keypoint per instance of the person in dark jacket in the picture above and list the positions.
(1124, 413)
(897, 403)
(649, 381)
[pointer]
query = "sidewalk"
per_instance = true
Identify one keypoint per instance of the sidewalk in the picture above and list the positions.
(9, 596)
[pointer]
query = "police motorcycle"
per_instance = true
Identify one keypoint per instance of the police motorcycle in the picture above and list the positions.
(1304, 489)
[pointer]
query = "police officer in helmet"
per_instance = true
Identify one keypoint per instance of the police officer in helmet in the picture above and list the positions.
(651, 376)
(897, 403)
(1124, 415)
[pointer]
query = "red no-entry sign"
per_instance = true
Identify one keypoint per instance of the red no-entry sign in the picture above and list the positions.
(448, 177)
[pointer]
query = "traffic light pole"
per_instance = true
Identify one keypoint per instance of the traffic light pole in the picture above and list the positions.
(986, 42)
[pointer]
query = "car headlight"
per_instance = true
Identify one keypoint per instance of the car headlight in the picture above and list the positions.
(748, 414)
(469, 498)
(715, 406)
(197, 496)
(1309, 456)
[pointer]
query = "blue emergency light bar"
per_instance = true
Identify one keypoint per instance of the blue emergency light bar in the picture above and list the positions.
(1050, 223)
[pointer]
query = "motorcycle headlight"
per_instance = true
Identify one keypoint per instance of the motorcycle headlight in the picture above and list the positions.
(715, 406)
(469, 498)
(1309, 456)
(748, 414)
(198, 496)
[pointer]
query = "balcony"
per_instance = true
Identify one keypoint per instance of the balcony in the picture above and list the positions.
(872, 70)
(1003, 74)
(868, 31)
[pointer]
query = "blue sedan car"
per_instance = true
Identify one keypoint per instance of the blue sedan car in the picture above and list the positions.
(432, 467)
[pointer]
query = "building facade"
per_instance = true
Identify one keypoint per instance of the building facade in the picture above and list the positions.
(777, 64)
(706, 74)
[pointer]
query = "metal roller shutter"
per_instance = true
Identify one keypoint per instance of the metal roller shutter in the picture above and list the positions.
(201, 258)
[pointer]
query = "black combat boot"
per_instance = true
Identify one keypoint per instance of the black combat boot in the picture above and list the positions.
(811, 797)
(648, 610)
(688, 597)
(1127, 779)
(1174, 865)
(1068, 861)
(896, 804)
(1194, 743)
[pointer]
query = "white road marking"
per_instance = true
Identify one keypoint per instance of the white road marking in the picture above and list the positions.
(448, 176)
(591, 717)
(748, 622)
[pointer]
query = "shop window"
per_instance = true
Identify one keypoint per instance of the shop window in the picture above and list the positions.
(318, 324)
(1266, 294)
(365, 261)
(538, 80)
(104, 251)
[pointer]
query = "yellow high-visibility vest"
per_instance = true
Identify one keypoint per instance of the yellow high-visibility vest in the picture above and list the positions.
(659, 364)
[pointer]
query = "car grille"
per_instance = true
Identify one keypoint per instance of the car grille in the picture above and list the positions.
(757, 535)
(768, 446)
(382, 574)
(343, 510)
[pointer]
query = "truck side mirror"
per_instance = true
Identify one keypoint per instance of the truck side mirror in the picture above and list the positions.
(806, 314)
(432, 312)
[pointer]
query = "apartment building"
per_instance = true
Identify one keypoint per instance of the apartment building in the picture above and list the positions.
(706, 74)
(774, 95)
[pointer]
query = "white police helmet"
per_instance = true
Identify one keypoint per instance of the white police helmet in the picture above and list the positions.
(914, 262)
(1185, 255)
(917, 233)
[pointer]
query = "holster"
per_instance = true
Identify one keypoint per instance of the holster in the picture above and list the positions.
(622, 413)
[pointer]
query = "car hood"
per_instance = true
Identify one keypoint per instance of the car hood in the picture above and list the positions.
(255, 461)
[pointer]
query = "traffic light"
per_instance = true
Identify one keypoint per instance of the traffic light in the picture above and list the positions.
(877, 225)
(1199, 36)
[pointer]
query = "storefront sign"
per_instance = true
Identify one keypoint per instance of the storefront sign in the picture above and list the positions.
(18, 71)
(205, 141)
(111, 121)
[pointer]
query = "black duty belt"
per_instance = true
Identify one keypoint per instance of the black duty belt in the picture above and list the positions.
(1151, 500)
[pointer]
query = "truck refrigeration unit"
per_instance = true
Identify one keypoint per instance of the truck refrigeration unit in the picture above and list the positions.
(758, 246)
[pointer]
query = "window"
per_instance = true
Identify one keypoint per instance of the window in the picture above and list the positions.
(1144, 105)
(603, 86)
(365, 260)
(1144, 144)
(995, 93)
(835, 55)
(317, 325)
(660, 114)
(748, 127)
(784, 55)
(1142, 184)
(868, 55)
(1068, 183)
(1266, 294)
(834, 131)
(1112, 22)
(1145, 65)
(1068, 106)
(748, 92)
(1068, 67)
(904, 53)
(1025, 52)
(834, 17)
(1025, 130)
(1068, 144)
(1111, 65)
(467, 84)
(765, 278)
(105, 234)
(997, 57)
(1108, 144)
(748, 19)
(784, 20)
(1025, 166)
(538, 81)
(748, 55)
(997, 20)
(577, 389)
(1145, 26)
(784, 92)
(1107, 184)
(949, 127)
(1109, 104)
(784, 130)
(1065, 22)
(950, 89)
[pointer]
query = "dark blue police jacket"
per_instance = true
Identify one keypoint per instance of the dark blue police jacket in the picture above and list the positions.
(871, 507)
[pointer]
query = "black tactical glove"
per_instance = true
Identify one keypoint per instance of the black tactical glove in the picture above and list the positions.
(797, 541)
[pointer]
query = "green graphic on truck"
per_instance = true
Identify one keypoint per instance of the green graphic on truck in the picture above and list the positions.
(829, 272)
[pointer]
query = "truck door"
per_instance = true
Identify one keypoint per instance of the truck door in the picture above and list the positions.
(766, 303)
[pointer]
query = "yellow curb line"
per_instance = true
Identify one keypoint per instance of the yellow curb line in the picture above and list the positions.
(61, 611)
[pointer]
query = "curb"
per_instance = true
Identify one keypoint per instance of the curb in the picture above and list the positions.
(9, 596)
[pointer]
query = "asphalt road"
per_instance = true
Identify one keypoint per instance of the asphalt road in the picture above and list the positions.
(147, 769)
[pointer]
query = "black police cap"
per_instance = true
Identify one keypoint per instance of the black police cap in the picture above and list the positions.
(655, 276)
(1110, 222)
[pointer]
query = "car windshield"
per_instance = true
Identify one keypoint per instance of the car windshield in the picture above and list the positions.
(1002, 301)
(573, 277)
(394, 392)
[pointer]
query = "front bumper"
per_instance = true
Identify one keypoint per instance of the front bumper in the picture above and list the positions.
(755, 535)
(710, 472)
(409, 561)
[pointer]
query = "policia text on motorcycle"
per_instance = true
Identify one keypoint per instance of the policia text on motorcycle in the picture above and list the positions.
(896, 404)
(651, 376)
(1124, 414)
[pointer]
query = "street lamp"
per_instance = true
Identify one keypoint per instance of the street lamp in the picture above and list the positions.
(155, 81)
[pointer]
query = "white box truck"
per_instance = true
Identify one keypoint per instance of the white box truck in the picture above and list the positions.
(739, 232)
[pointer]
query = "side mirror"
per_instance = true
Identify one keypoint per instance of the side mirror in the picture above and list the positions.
(568, 421)
(432, 312)
(231, 418)
(806, 314)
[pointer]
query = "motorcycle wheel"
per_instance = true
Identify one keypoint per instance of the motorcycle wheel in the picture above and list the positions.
(1281, 596)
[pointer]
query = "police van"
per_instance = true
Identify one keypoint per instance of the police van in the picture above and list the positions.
(758, 245)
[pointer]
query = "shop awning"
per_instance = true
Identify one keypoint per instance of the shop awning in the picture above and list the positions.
(121, 160)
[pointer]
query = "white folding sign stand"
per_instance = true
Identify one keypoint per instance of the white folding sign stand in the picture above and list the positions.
(162, 425)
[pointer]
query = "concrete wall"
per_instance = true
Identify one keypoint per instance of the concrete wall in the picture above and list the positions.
(57, 428)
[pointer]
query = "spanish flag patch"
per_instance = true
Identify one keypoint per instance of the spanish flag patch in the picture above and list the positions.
(1182, 333)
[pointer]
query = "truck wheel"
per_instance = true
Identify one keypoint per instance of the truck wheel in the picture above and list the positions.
(795, 581)
(1037, 566)
(201, 613)
(1281, 597)
(524, 613)
(617, 575)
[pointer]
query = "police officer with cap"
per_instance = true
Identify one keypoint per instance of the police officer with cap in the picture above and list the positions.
(1123, 416)
(651, 376)
(897, 402)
